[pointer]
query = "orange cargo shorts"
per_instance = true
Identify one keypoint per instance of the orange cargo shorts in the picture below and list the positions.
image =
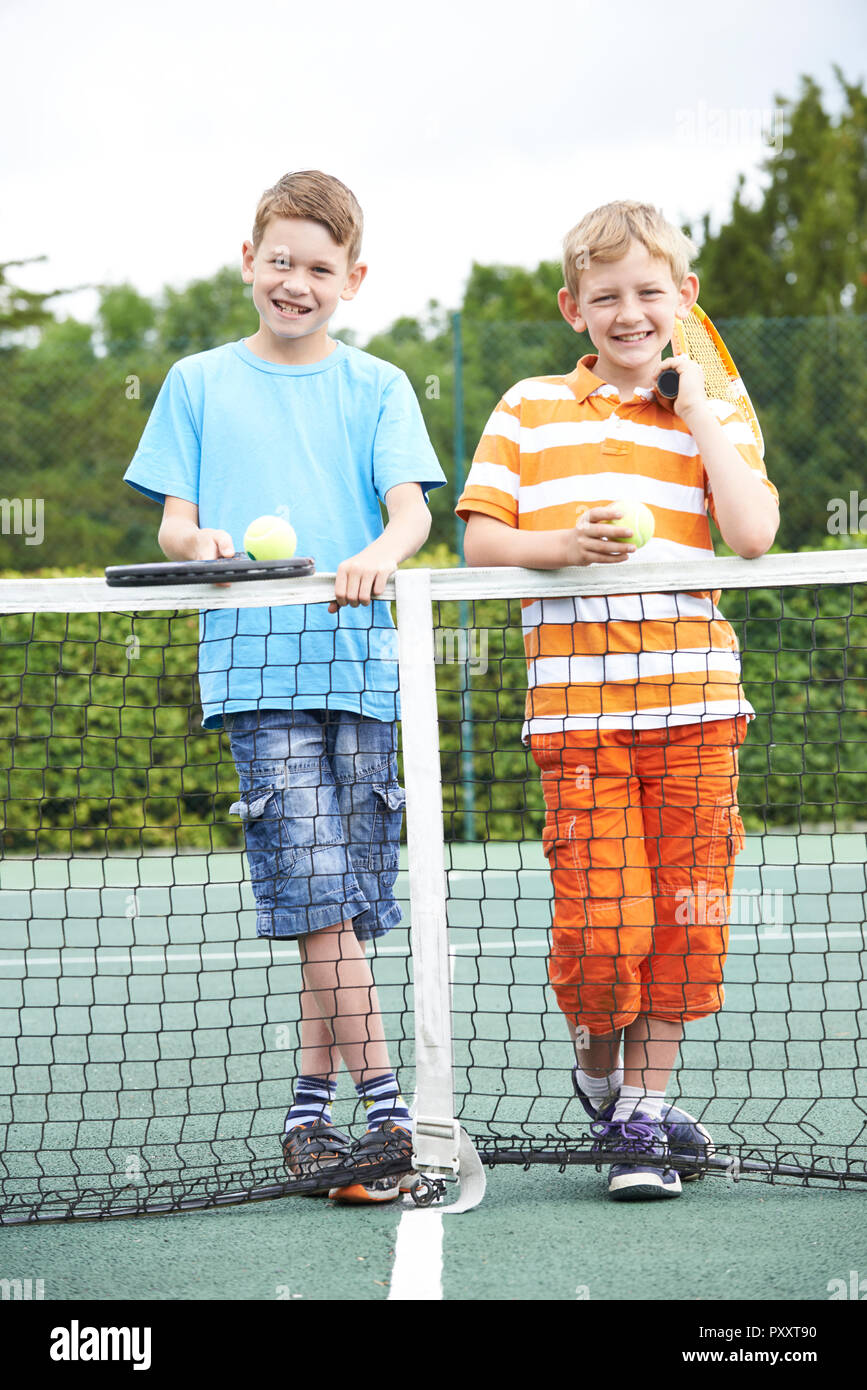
(641, 833)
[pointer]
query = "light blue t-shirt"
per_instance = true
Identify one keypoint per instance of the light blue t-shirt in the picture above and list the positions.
(240, 437)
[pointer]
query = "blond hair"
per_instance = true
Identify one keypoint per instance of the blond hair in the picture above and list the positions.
(607, 233)
(316, 196)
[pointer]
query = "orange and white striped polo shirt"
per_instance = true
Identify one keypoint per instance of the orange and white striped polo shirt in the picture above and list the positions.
(557, 445)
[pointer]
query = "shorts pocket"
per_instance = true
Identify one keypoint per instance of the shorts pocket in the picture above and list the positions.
(270, 854)
(568, 853)
(383, 851)
(727, 838)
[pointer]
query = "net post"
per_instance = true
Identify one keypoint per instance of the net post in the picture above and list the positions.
(437, 1133)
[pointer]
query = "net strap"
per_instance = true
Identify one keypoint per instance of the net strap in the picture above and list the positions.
(437, 1133)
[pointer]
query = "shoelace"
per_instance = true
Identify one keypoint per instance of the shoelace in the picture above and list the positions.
(634, 1136)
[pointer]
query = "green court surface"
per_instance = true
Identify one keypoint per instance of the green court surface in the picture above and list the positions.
(145, 1033)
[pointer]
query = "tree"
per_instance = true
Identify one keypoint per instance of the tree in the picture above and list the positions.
(22, 309)
(205, 314)
(126, 319)
(801, 250)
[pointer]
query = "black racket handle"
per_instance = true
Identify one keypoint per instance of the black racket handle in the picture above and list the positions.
(668, 383)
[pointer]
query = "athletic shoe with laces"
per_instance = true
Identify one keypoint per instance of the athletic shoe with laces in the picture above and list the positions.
(387, 1150)
(687, 1138)
(645, 1138)
(314, 1151)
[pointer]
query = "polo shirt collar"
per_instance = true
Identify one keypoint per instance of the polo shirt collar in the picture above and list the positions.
(584, 382)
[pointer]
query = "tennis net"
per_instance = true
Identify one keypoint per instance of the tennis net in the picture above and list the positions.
(149, 1040)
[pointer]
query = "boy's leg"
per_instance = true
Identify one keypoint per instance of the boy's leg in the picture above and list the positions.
(363, 759)
(693, 832)
(302, 882)
(650, 1048)
(338, 979)
(598, 1074)
(602, 895)
(318, 1066)
(319, 1055)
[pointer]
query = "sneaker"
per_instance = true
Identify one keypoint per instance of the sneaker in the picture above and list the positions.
(313, 1151)
(385, 1151)
(637, 1182)
(686, 1137)
(359, 1193)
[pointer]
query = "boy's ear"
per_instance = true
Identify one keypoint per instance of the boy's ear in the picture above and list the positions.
(570, 311)
(688, 295)
(248, 255)
(353, 280)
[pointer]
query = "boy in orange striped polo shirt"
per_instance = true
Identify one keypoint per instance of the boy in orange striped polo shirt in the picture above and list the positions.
(635, 711)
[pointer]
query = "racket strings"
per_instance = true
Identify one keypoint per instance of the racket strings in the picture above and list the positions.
(721, 379)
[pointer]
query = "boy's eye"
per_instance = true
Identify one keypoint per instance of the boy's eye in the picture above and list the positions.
(282, 263)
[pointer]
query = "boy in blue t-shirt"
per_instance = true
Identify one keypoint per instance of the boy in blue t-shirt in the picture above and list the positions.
(308, 694)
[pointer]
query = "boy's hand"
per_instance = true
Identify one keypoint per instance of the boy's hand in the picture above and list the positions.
(363, 577)
(691, 393)
(213, 545)
(594, 541)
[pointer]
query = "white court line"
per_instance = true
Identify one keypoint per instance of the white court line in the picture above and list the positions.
(417, 1273)
(771, 933)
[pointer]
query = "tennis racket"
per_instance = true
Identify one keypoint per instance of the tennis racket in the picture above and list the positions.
(695, 337)
(238, 569)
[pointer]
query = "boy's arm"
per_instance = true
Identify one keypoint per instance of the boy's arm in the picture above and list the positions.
(590, 541)
(746, 511)
(364, 576)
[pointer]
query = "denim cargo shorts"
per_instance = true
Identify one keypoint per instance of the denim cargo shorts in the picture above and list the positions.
(322, 811)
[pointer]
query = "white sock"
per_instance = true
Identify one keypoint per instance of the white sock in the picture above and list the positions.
(596, 1088)
(634, 1098)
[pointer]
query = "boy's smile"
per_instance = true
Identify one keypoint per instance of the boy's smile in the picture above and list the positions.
(299, 275)
(628, 308)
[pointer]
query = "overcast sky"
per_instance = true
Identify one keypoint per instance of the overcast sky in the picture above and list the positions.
(138, 138)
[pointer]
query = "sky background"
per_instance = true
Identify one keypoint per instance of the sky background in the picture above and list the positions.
(137, 139)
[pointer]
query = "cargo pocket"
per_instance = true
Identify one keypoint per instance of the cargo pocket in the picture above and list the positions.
(727, 838)
(383, 852)
(569, 854)
(269, 854)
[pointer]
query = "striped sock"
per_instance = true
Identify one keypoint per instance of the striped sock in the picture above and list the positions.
(314, 1096)
(383, 1101)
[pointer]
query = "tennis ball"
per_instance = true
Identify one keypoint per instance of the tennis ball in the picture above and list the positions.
(639, 520)
(270, 538)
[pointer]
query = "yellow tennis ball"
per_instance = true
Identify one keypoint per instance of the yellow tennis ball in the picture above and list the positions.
(639, 520)
(270, 538)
